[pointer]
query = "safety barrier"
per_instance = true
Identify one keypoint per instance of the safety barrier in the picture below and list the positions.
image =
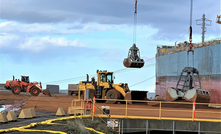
(186, 111)
(147, 110)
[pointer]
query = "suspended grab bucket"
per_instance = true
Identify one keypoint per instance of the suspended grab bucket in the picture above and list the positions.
(133, 60)
(133, 64)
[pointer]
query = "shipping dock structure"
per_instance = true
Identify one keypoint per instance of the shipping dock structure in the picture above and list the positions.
(170, 60)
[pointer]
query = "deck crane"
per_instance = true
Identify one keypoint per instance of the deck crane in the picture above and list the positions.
(189, 84)
(133, 59)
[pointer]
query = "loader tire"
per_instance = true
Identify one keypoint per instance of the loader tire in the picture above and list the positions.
(16, 90)
(34, 91)
(112, 94)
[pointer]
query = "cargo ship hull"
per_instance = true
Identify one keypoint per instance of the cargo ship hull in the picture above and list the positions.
(207, 59)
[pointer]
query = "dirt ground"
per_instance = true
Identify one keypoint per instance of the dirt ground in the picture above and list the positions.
(46, 107)
(51, 104)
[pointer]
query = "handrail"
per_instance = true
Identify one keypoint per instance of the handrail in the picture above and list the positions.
(162, 109)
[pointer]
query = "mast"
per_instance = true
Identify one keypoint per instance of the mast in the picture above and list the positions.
(203, 23)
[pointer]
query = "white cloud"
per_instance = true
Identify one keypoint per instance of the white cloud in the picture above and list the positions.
(7, 39)
(39, 43)
(59, 28)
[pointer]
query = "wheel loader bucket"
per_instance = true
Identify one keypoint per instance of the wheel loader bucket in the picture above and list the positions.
(171, 94)
(46, 92)
(136, 95)
(133, 64)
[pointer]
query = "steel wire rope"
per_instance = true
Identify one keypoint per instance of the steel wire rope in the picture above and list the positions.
(185, 34)
(135, 23)
(149, 65)
(67, 80)
(135, 68)
(135, 28)
(64, 80)
(125, 69)
(81, 77)
(142, 81)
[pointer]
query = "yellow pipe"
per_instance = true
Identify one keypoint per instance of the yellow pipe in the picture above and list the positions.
(113, 124)
(91, 129)
(119, 127)
(48, 131)
(162, 118)
(113, 116)
(134, 108)
(177, 110)
(75, 112)
(208, 112)
(164, 102)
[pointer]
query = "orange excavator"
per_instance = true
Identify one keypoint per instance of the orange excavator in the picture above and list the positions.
(24, 85)
(133, 59)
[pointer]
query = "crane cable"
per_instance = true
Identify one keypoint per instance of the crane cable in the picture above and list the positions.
(190, 36)
(135, 23)
(142, 81)
(82, 77)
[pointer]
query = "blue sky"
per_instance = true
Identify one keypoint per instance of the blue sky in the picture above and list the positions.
(59, 42)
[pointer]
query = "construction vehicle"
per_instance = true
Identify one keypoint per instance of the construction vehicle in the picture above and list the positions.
(72, 89)
(133, 59)
(24, 85)
(188, 88)
(104, 88)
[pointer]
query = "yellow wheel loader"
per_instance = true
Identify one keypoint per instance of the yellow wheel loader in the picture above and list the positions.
(104, 88)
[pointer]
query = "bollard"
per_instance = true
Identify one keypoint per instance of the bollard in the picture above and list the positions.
(194, 108)
(93, 109)
(75, 111)
(32, 112)
(11, 116)
(25, 113)
(60, 112)
(94, 105)
(3, 117)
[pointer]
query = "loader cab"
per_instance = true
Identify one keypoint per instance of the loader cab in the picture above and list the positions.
(104, 77)
(25, 79)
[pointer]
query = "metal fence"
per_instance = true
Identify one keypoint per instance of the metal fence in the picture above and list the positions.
(156, 110)
(160, 110)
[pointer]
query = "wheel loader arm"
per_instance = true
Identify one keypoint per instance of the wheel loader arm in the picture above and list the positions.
(120, 89)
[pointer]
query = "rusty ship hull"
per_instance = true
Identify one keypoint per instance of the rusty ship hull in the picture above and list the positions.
(170, 60)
